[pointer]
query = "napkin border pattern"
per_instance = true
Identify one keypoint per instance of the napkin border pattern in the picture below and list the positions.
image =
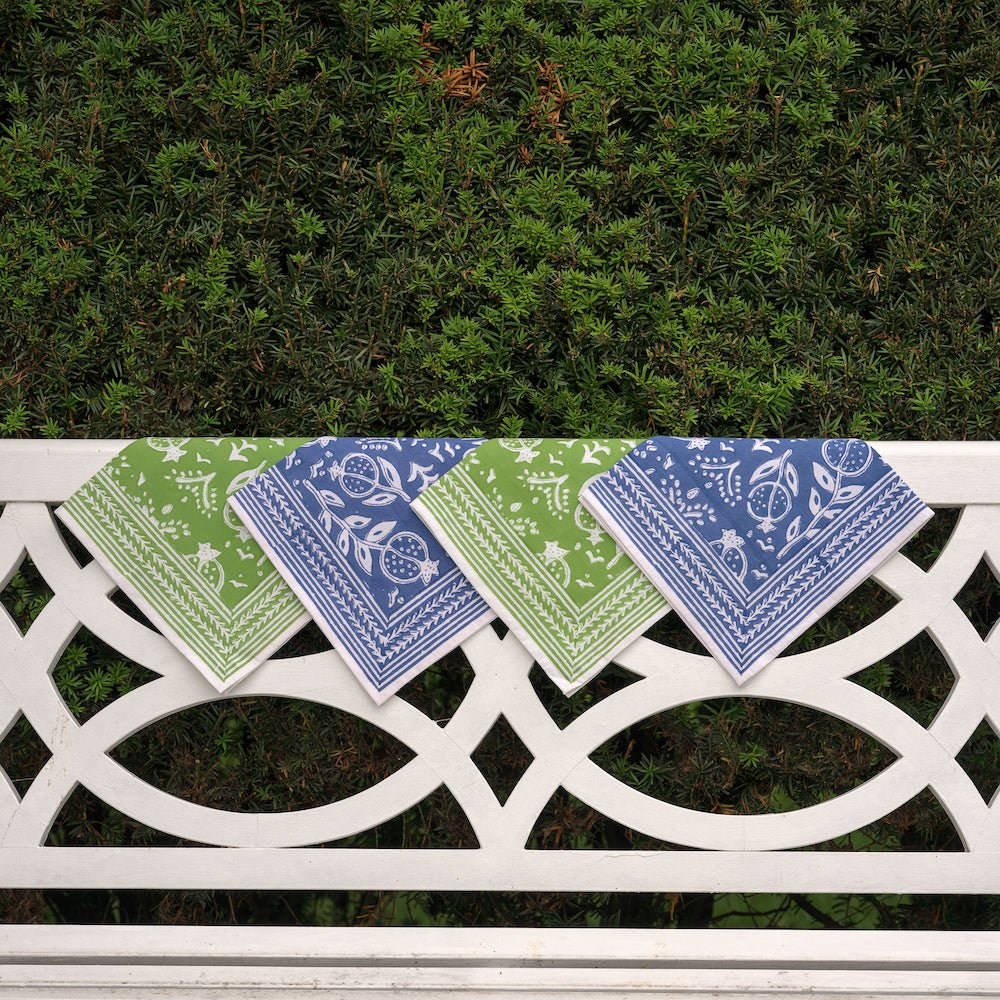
(262, 503)
(452, 500)
(654, 530)
(215, 636)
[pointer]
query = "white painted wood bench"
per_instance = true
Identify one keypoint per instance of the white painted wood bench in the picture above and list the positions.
(727, 853)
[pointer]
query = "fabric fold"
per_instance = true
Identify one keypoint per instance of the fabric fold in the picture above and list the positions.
(753, 540)
(155, 517)
(334, 517)
(509, 515)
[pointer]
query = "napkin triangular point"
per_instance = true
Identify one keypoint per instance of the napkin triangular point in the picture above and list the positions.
(594, 506)
(378, 695)
(567, 687)
(221, 685)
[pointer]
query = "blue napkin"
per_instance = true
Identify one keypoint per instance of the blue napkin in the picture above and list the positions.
(751, 541)
(334, 517)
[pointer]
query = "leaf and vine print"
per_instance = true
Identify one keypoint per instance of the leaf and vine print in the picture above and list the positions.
(751, 540)
(157, 516)
(335, 517)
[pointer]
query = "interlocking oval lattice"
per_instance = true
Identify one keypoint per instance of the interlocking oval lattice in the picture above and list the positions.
(731, 852)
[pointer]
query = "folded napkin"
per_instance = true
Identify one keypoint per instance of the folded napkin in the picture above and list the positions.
(155, 517)
(335, 518)
(509, 515)
(752, 541)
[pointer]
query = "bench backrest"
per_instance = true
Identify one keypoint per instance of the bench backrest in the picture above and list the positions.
(725, 852)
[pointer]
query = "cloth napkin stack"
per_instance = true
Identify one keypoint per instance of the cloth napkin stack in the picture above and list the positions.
(401, 548)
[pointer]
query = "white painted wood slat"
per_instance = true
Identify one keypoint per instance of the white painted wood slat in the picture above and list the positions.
(385, 962)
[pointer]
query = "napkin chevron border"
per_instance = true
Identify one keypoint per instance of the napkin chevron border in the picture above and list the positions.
(496, 563)
(399, 645)
(679, 561)
(217, 639)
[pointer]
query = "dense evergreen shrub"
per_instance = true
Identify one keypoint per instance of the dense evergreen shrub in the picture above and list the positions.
(555, 217)
(578, 217)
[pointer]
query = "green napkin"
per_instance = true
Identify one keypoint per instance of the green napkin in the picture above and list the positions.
(509, 515)
(156, 518)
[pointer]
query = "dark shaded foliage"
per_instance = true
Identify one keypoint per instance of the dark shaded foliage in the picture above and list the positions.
(552, 217)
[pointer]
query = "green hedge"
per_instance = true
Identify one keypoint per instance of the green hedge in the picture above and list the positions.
(751, 217)
(595, 217)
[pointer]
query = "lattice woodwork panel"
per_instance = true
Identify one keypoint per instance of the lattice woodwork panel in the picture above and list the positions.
(733, 851)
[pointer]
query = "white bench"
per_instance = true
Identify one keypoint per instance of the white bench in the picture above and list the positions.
(270, 852)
